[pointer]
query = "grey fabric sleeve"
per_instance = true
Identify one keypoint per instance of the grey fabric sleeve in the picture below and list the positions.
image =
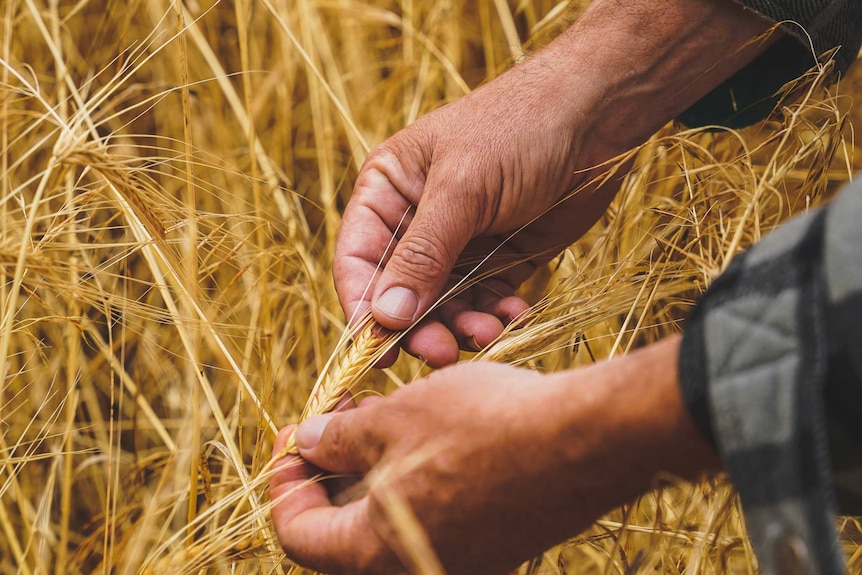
(771, 370)
(813, 27)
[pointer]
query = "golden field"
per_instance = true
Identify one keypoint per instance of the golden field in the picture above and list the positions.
(171, 182)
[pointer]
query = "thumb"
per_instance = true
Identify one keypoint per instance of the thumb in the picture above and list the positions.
(422, 260)
(339, 442)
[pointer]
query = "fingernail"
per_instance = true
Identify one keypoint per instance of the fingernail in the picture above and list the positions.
(474, 343)
(398, 303)
(309, 431)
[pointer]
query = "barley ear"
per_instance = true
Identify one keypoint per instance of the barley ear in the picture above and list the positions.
(345, 368)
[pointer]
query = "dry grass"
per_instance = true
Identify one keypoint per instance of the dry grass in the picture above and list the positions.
(171, 179)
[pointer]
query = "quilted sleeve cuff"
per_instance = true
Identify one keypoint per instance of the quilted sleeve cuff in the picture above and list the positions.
(753, 367)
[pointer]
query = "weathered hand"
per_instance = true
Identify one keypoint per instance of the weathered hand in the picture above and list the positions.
(459, 181)
(452, 187)
(497, 463)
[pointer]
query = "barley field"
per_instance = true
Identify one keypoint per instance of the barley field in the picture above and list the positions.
(172, 175)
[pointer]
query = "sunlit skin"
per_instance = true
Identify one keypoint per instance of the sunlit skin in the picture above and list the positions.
(515, 461)
(510, 462)
(461, 179)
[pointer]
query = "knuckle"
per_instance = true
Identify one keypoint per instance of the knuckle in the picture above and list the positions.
(350, 438)
(384, 157)
(420, 257)
(332, 440)
(403, 156)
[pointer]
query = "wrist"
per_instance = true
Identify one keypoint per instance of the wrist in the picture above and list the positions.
(629, 68)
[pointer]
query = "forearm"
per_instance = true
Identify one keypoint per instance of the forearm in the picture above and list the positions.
(627, 67)
(621, 422)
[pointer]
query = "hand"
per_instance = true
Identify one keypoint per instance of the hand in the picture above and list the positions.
(453, 187)
(460, 181)
(497, 463)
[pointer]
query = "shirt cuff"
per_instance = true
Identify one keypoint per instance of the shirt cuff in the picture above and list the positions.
(768, 365)
(813, 27)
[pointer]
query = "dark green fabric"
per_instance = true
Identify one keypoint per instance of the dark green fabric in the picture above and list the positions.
(752, 93)
(813, 27)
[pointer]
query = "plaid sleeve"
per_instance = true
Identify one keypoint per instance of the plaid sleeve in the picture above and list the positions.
(771, 371)
(813, 27)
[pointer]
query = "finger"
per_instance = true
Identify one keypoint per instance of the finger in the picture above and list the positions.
(373, 216)
(510, 266)
(311, 530)
(292, 486)
(290, 468)
(369, 401)
(390, 355)
(423, 258)
(509, 310)
(474, 330)
(432, 341)
(346, 442)
(343, 489)
(496, 296)
(388, 358)
(328, 539)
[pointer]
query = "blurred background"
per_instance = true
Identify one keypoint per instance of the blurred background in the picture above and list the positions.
(172, 176)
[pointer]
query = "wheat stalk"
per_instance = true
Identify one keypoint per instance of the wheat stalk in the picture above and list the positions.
(344, 369)
(98, 466)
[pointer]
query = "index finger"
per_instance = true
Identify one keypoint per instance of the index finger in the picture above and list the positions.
(312, 531)
(377, 214)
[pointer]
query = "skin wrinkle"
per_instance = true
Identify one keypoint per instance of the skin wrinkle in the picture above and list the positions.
(389, 161)
(549, 450)
(422, 257)
(579, 441)
(367, 198)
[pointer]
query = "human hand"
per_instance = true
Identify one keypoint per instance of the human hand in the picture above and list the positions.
(496, 463)
(457, 183)
(453, 187)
